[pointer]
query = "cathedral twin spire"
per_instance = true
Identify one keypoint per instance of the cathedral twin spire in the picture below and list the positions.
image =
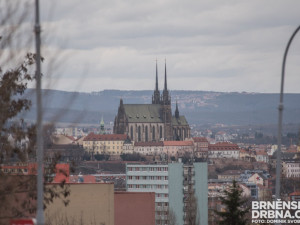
(156, 98)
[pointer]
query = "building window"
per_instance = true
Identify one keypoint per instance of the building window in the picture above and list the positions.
(153, 133)
(146, 134)
(139, 133)
(131, 132)
(160, 132)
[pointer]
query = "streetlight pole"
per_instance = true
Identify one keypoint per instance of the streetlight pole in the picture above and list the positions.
(40, 153)
(280, 108)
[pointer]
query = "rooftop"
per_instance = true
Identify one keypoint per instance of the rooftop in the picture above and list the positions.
(105, 137)
(178, 143)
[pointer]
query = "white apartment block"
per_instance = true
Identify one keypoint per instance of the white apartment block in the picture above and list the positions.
(150, 178)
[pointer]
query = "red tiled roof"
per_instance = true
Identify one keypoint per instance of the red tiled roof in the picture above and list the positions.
(200, 139)
(105, 137)
(232, 172)
(71, 138)
(143, 144)
(62, 173)
(223, 146)
(261, 153)
(297, 193)
(178, 143)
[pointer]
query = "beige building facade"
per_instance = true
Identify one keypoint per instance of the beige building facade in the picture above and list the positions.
(89, 203)
(111, 144)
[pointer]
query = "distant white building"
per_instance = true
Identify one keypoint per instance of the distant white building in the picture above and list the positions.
(291, 168)
(149, 148)
(272, 150)
(262, 156)
(224, 150)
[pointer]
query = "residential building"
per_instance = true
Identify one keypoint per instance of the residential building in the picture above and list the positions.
(291, 168)
(230, 175)
(87, 203)
(262, 156)
(244, 155)
(128, 146)
(201, 147)
(173, 185)
(224, 150)
(150, 178)
(178, 148)
(149, 148)
(188, 192)
(111, 144)
(256, 178)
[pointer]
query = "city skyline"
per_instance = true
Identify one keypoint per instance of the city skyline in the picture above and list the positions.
(208, 45)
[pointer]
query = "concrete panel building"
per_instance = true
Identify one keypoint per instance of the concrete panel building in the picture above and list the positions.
(150, 178)
(173, 185)
(188, 190)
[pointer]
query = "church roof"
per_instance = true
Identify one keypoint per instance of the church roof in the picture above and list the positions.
(180, 121)
(143, 113)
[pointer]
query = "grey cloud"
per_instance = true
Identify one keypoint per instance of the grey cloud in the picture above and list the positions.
(214, 45)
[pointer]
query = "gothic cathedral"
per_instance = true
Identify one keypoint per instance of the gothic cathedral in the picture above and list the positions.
(152, 122)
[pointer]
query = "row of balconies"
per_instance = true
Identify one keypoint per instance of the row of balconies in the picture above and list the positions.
(186, 191)
(161, 217)
(190, 173)
(188, 182)
(162, 208)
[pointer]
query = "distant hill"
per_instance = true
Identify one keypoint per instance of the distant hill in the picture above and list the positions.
(199, 107)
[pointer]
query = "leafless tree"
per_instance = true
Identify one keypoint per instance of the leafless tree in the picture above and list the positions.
(17, 139)
(192, 215)
(172, 218)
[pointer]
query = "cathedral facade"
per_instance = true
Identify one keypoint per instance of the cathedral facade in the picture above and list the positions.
(152, 122)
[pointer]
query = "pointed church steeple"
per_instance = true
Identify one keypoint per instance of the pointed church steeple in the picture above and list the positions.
(156, 94)
(166, 100)
(176, 111)
(166, 88)
(121, 107)
(102, 130)
(156, 83)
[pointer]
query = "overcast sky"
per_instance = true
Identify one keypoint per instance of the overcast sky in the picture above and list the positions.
(208, 45)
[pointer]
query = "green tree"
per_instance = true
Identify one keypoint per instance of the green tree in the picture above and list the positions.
(236, 209)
